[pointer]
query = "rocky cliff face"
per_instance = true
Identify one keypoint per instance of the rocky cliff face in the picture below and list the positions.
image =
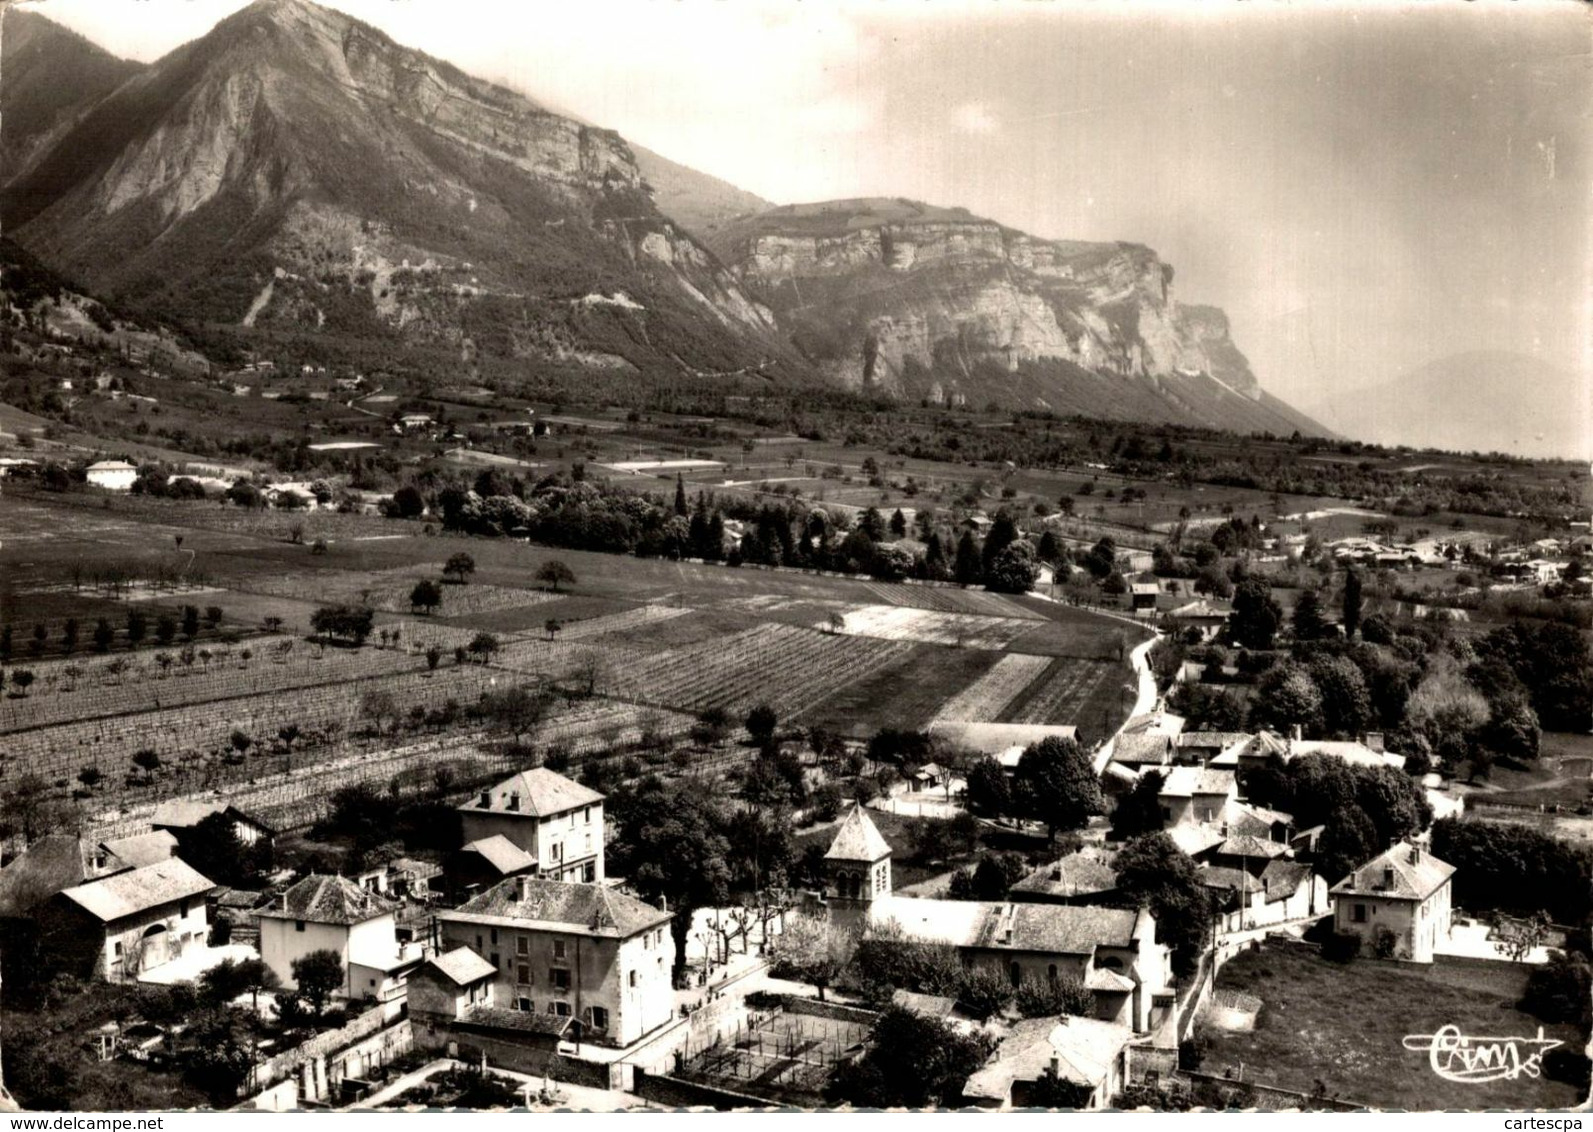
(912, 300)
(298, 170)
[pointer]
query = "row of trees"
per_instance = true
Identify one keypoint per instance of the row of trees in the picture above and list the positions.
(189, 622)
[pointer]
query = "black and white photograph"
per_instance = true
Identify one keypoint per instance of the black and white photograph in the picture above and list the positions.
(834, 555)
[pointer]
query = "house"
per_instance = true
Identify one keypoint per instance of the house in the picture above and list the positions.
(930, 776)
(1085, 877)
(112, 475)
(333, 913)
(1248, 853)
(478, 865)
(1198, 795)
(182, 815)
(117, 927)
(1112, 951)
(1197, 842)
(1210, 748)
(1143, 750)
(1204, 616)
(557, 821)
(1142, 597)
(578, 952)
(59, 861)
(1084, 1052)
(1398, 903)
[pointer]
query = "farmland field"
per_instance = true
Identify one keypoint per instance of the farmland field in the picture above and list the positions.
(1072, 691)
(985, 699)
(657, 641)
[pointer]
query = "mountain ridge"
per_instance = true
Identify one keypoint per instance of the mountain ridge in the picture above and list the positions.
(295, 171)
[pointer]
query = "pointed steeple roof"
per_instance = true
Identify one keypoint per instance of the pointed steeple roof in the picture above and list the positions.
(858, 839)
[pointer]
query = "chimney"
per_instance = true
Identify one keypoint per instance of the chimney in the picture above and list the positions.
(522, 886)
(1388, 876)
(1296, 734)
(486, 799)
(282, 901)
(1415, 854)
(1374, 741)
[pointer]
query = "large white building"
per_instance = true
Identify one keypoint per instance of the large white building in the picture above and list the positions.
(332, 913)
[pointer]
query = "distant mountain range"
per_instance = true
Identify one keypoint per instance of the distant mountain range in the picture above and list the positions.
(295, 173)
(1484, 401)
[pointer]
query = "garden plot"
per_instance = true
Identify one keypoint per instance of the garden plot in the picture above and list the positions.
(1071, 691)
(945, 599)
(902, 623)
(984, 700)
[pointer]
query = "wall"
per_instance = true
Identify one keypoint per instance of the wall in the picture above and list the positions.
(674, 1092)
(281, 943)
(374, 1038)
(559, 848)
(523, 1055)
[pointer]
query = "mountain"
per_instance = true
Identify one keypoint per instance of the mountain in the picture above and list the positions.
(699, 203)
(1483, 401)
(917, 301)
(296, 170)
(51, 75)
(295, 176)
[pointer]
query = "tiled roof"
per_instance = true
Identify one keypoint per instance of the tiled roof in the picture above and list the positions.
(1083, 1049)
(591, 909)
(1084, 873)
(319, 899)
(1188, 781)
(1282, 879)
(186, 813)
(1154, 723)
(501, 853)
(1193, 840)
(50, 864)
(1244, 845)
(1056, 929)
(1217, 740)
(858, 839)
(1143, 749)
(521, 1021)
(1214, 876)
(462, 966)
(1257, 820)
(1101, 979)
(1404, 872)
(538, 792)
(143, 848)
(126, 894)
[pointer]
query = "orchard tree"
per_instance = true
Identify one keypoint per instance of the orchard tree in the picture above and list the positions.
(459, 567)
(554, 573)
(426, 596)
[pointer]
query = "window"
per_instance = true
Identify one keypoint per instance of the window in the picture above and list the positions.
(1358, 913)
(372, 982)
(494, 959)
(1015, 974)
(599, 1018)
(558, 949)
(562, 1009)
(523, 976)
(298, 926)
(633, 978)
(522, 945)
(524, 1004)
(494, 932)
(559, 979)
(479, 948)
(182, 909)
(587, 815)
(589, 874)
(118, 949)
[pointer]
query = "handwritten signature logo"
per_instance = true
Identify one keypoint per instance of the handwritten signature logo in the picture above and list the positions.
(1475, 1061)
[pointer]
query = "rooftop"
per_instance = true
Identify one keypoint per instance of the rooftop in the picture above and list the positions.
(462, 966)
(320, 899)
(501, 853)
(589, 909)
(126, 894)
(1405, 872)
(143, 848)
(1142, 749)
(538, 792)
(1247, 845)
(1188, 781)
(858, 839)
(1083, 1050)
(1085, 873)
(1050, 928)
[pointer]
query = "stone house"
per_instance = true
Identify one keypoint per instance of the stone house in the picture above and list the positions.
(333, 913)
(1398, 903)
(581, 952)
(557, 821)
(119, 926)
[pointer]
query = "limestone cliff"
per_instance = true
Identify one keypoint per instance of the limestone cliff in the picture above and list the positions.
(918, 301)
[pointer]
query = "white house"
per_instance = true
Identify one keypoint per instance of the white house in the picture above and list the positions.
(113, 475)
(332, 913)
(1398, 901)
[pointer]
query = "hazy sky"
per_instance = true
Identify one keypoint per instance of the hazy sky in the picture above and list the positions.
(1363, 187)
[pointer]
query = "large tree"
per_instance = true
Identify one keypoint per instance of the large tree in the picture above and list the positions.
(1256, 616)
(1352, 603)
(671, 846)
(912, 1061)
(989, 791)
(1153, 871)
(1140, 810)
(1057, 784)
(318, 975)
